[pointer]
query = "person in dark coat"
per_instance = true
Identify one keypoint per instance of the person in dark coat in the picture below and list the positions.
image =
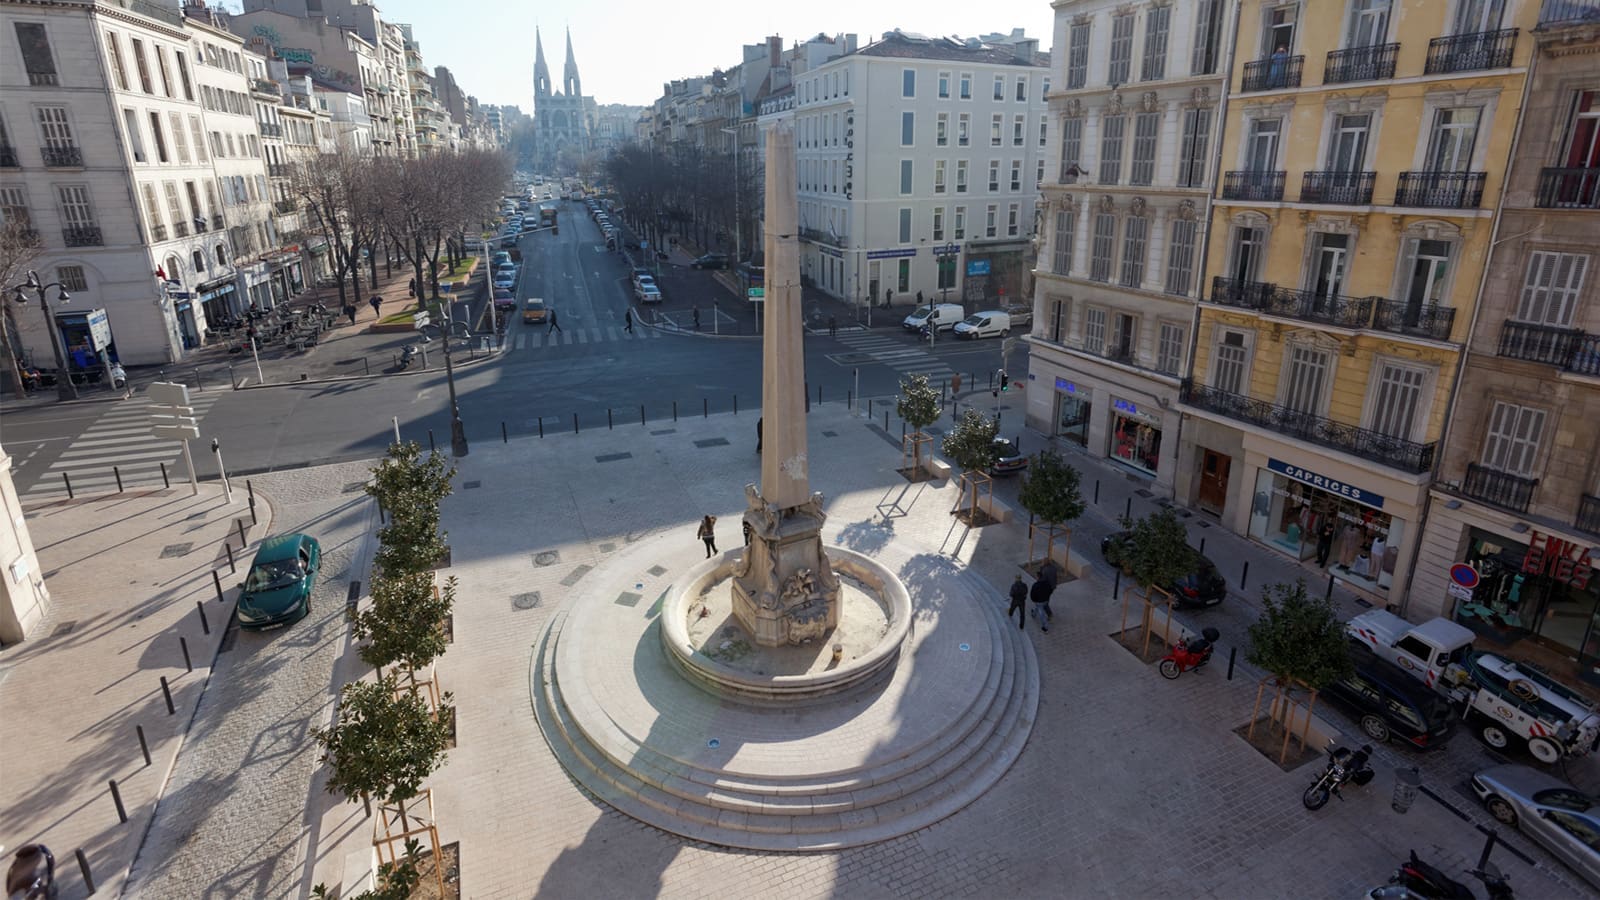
(1019, 596)
(758, 434)
(553, 325)
(1325, 541)
(708, 534)
(627, 321)
(1040, 595)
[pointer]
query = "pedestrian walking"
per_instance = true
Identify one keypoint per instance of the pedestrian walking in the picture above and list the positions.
(1050, 572)
(955, 384)
(919, 298)
(350, 312)
(758, 434)
(554, 326)
(1325, 541)
(1019, 597)
(412, 288)
(1040, 595)
(377, 305)
(696, 311)
(627, 321)
(888, 297)
(833, 326)
(708, 534)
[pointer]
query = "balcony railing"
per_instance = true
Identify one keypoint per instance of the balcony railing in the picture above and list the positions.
(1497, 488)
(1563, 12)
(1273, 73)
(1470, 52)
(1374, 63)
(62, 157)
(82, 236)
(1272, 300)
(818, 236)
(216, 221)
(1440, 190)
(43, 79)
(8, 157)
(1261, 186)
(284, 206)
(278, 170)
(1588, 518)
(1407, 456)
(1349, 188)
(1569, 188)
(1421, 319)
(264, 86)
(270, 129)
(1570, 349)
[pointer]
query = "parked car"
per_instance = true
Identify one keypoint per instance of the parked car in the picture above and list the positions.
(710, 261)
(1203, 586)
(642, 281)
(277, 588)
(649, 293)
(509, 240)
(1021, 314)
(990, 323)
(505, 280)
(504, 297)
(1563, 819)
(1389, 704)
(942, 316)
(499, 257)
(1008, 459)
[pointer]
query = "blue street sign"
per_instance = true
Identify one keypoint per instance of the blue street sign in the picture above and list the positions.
(977, 267)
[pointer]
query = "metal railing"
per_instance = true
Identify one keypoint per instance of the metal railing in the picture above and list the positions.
(1396, 453)
(1569, 188)
(216, 221)
(1588, 517)
(270, 129)
(264, 86)
(1569, 12)
(70, 157)
(1374, 63)
(1273, 73)
(1421, 319)
(43, 79)
(1351, 188)
(1441, 190)
(1262, 186)
(158, 233)
(1572, 350)
(1470, 52)
(1497, 488)
(82, 236)
(8, 157)
(284, 206)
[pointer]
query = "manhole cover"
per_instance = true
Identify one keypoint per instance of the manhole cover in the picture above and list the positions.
(629, 598)
(525, 601)
(657, 570)
(469, 485)
(711, 442)
(612, 457)
(354, 487)
(830, 434)
(173, 550)
(64, 628)
(607, 547)
(547, 558)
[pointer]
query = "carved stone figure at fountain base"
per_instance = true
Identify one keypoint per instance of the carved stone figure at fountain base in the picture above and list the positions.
(784, 589)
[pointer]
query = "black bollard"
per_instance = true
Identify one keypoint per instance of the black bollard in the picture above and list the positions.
(144, 746)
(1233, 654)
(575, 424)
(641, 415)
(504, 438)
(116, 797)
(68, 481)
(674, 410)
(164, 479)
(249, 489)
(705, 408)
(1488, 847)
(808, 401)
(431, 448)
(1244, 574)
(1202, 545)
(1329, 595)
(242, 542)
(216, 581)
(849, 399)
(886, 421)
(252, 511)
(183, 644)
(166, 692)
(610, 425)
(819, 395)
(736, 404)
(118, 473)
(869, 407)
(83, 867)
(366, 365)
(1097, 492)
(541, 426)
(1116, 586)
(232, 567)
(1127, 512)
(205, 627)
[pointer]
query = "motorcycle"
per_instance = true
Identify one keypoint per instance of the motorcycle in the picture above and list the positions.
(119, 376)
(1189, 654)
(407, 354)
(32, 875)
(1344, 767)
(1416, 880)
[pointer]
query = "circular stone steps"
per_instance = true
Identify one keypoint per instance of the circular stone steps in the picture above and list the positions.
(858, 768)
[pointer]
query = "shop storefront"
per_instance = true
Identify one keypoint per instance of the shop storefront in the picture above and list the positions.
(1073, 408)
(1135, 435)
(1544, 592)
(216, 300)
(188, 328)
(1338, 526)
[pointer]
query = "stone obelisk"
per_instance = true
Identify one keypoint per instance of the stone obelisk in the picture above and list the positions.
(784, 590)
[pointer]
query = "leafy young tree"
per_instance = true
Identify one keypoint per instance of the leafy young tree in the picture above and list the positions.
(1156, 551)
(1050, 490)
(403, 624)
(384, 743)
(396, 880)
(918, 405)
(410, 487)
(970, 444)
(1299, 637)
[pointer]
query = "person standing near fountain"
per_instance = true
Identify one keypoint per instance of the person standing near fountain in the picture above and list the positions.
(708, 533)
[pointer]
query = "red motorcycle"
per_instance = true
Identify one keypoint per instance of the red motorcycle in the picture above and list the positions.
(1190, 654)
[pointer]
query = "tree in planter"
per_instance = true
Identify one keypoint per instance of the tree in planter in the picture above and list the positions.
(1156, 551)
(1299, 639)
(409, 488)
(1050, 491)
(918, 405)
(396, 880)
(404, 626)
(970, 444)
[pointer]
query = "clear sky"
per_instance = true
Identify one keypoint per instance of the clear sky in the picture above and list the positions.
(626, 49)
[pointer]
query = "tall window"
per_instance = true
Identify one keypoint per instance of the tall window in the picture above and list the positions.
(1450, 145)
(938, 223)
(199, 138)
(966, 85)
(908, 128)
(14, 205)
(72, 278)
(944, 85)
(964, 130)
(37, 60)
(938, 176)
(160, 139)
(1111, 149)
(1347, 151)
(1038, 173)
(183, 76)
(990, 220)
(1180, 257)
(1369, 23)
(152, 212)
(1013, 220)
(905, 176)
(1121, 49)
(1207, 37)
(1066, 225)
(958, 229)
(994, 176)
(1154, 67)
(1551, 288)
(1094, 329)
(1016, 175)
(130, 124)
(75, 209)
(1582, 147)
(1230, 364)
(1512, 442)
(1330, 258)
(1134, 233)
(1078, 57)
(1071, 148)
(1022, 89)
(180, 224)
(114, 51)
(1430, 266)
(1192, 147)
(179, 143)
(996, 129)
(142, 66)
(1305, 379)
(1169, 349)
(999, 87)
(161, 67)
(961, 176)
(1105, 234)
(1475, 16)
(1018, 125)
(1044, 130)
(1249, 246)
(908, 82)
(1145, 127)
(905, 225)
(1261, 151)
(941, 130)
(1397, 400)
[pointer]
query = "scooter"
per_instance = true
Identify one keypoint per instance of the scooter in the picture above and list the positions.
(1344, 767)
(1189, 654)
(407, 354)
(1416, 880)
(32, 875)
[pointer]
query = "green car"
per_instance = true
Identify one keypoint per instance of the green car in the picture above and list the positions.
(277, 589)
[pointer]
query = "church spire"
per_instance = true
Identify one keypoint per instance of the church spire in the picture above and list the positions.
(541, 73)
(569, 78)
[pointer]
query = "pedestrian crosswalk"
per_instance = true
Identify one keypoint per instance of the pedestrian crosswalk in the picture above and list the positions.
(540, 336)
(119, 443)
(909, 359)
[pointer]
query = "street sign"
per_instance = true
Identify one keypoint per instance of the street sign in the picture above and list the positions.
(1458, 592)
(756, 293)
(166, 393)
(1464, 575)
(99, 329)
(180, 295)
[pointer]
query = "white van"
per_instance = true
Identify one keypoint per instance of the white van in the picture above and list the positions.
(942, 316)
(984, 324)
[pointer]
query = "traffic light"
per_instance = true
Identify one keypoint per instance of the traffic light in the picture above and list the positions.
(1005, 381)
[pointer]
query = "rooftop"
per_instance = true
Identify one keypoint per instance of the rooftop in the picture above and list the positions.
(908, 45)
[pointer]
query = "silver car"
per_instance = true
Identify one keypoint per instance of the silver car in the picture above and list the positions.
(1555, 814)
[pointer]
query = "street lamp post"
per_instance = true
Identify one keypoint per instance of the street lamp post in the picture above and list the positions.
(65, 389)
(458, 431)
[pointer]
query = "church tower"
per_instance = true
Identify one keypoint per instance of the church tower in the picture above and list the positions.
(569, 76)
(541, 72)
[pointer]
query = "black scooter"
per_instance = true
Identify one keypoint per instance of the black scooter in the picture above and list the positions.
(1344, 767)
(407, 354)
(1416, 880)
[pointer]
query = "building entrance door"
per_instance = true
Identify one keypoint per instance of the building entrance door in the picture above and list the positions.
(1214, 469)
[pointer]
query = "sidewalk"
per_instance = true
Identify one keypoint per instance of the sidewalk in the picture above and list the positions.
(127, 575)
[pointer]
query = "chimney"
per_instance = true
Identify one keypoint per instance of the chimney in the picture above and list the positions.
(774, 51)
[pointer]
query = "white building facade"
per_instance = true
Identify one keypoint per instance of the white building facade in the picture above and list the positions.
(1135, 125)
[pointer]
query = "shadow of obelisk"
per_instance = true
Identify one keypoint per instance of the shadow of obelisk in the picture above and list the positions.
(784, 590)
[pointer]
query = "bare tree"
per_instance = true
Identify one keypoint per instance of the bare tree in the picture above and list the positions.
(19, 247)
(335, 189)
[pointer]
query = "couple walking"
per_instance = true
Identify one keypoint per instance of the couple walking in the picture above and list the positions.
(1043, 587)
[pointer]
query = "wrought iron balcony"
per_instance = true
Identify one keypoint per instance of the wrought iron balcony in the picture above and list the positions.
(27, 237)
(1421, 319)
(43, 79)
(1571, 349)
(8, 157)
(82, 236)
(1273, 73)
(1470, 52)
(1396, 453)
(1569, 188)
(1440, 190)
(1497, 488)
(819, 236)
(1261, 186)
(278, 170)
(1374, 63)
(1588, 518)
(270, 129)
(1272, 300)
(1569, 12)
(69, 157)
(1349, 188)
(264, 86)
(216, 221)
(284, 206)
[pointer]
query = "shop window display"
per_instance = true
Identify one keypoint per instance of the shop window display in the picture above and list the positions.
(1349, 539)
(1072, 417)
(1135, 441)
(1518, 597)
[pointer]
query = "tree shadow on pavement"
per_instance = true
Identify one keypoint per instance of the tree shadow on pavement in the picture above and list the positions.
(928, 579)
(866, 536)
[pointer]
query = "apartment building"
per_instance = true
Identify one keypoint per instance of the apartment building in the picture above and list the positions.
(1135, 116)
(920, 160)
(1364, 147)
(1517, 496)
